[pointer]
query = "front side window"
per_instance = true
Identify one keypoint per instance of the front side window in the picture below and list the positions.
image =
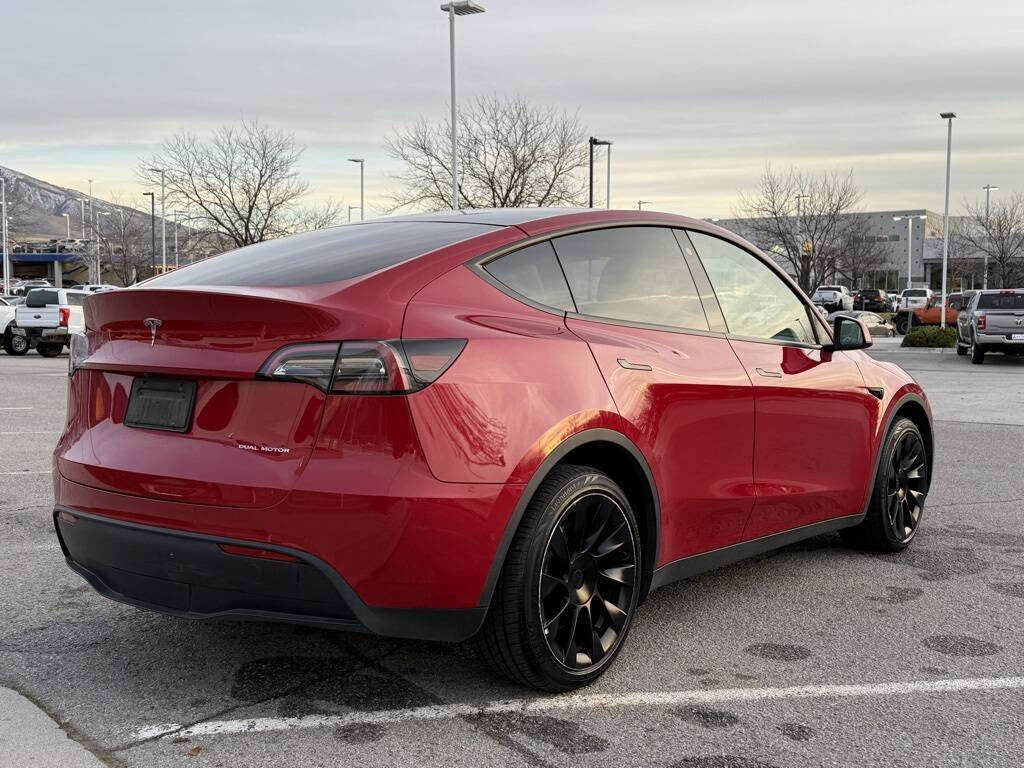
(533, 272)
(754, 299)
(635, 274)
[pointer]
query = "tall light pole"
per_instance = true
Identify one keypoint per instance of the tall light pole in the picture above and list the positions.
(799, 227)
(92, 224)
(453, 9)
(82, 201)
(910, 240)
(152, 229)
(67, 220)
(948, 117)
(175, 215)
(988, 189)
(3, 206)
(595, 142)
(641, 203)
(163, 218)
(99, 269)
(361, 162)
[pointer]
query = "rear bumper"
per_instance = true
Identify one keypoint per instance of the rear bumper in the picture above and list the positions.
(998, 340)
(190, 575)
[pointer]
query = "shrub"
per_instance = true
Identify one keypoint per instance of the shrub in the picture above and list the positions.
(930, 336)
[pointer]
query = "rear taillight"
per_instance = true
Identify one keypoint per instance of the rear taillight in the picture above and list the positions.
(981, 323)
(392, 367)
(65, 315)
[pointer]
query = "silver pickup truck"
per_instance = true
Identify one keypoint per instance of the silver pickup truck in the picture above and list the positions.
(993, 321)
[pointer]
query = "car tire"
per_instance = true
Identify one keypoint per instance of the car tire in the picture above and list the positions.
(49, 348)
(902, 325)
(977, 353)
(15, 345)
(898, 496)
(549, 625)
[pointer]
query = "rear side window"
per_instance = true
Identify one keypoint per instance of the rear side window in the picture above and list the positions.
(756, 302)
(324, 256)
(636, 274)
(533, 272)
(40, 297)
(1001, 301)
(76, 299)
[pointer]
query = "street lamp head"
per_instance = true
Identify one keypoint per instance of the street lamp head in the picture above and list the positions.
(990, 188)
(600, 142)
(463, 8)
(356, 160)
(947, 115)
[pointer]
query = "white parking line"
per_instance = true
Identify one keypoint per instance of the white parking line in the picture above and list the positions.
(576, 701)
(16, 408)
(28, 432)
(30, 472)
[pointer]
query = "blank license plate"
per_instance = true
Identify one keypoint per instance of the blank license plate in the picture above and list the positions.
(161, 404)
(1017, 337)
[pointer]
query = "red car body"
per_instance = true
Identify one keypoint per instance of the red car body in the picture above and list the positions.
(392, 513)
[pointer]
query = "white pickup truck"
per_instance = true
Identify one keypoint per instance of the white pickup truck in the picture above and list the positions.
(45, 321)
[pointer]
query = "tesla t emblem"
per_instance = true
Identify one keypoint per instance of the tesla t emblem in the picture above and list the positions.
(152, 323)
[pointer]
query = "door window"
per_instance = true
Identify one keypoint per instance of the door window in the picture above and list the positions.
(533, 272)
(756, 302)
(635, 274)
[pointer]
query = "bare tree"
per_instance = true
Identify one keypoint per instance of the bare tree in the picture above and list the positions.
(1000, 236)
(806, 238)
(123, 243)
(510, 154)
(243, 183)
(858, 252)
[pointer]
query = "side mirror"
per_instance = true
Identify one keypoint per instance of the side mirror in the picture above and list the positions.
(850, 333)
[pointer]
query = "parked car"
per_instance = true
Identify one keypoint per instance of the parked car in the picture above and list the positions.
(877, 325)
(835, 298)
(45, 320)
(871, 299)
(6, 316)
(914, 298)
(931, 313)
(94, 287)
(512, 424)
(22, 287)
(993, 321)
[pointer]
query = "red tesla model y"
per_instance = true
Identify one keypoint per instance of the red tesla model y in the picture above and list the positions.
(507, 424)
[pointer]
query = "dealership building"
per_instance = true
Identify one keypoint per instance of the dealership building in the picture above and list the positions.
(925, 249)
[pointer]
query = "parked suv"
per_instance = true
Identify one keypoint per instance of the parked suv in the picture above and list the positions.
(512, 424)
(44, 321)
(871, 300)
(835, 298)
(993, 321)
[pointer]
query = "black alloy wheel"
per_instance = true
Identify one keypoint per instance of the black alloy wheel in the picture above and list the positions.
(906, 485)
(571, 581)
(894, 511)
(588, 577)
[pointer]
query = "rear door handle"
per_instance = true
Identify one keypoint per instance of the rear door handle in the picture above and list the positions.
(769, 374)
(634, 366)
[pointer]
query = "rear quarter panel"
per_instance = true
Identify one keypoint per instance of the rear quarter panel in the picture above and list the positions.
(522, 385)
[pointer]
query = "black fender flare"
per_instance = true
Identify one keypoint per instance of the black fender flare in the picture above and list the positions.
(585, 437)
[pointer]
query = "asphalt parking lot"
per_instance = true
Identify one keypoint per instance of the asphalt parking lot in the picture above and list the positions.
(813, 655)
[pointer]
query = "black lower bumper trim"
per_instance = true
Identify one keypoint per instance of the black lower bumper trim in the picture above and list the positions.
(189, 575)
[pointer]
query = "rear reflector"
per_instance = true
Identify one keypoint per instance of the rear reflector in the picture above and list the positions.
(67, 517)
(266, 554)
(392, 367)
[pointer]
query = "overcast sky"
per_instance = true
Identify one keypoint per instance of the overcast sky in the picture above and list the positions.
(697, 96)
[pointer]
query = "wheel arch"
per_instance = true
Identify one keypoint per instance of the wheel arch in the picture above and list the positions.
(617, 456)
(912, 406)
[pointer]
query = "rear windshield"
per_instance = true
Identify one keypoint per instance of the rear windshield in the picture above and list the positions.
(829, 288)
(324, 256)
(915, 293)
(40, 297)
(1001, 301)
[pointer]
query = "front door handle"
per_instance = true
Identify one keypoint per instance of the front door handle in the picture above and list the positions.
(768, 374)
(634, 366)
